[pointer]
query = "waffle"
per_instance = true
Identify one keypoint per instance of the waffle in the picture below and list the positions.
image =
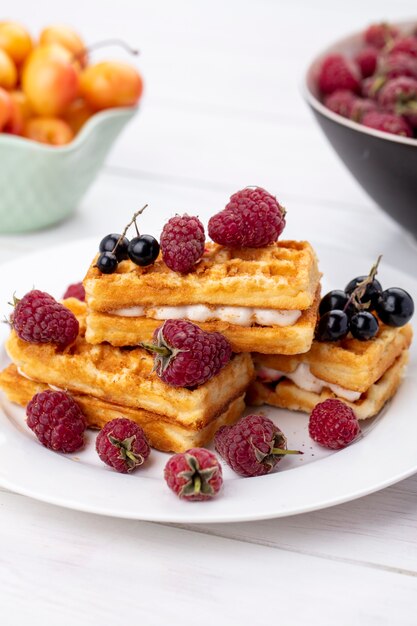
(124, 377)
(128, 331)
(284, 276)
(350, 363)
(162, 434)
(286, 395)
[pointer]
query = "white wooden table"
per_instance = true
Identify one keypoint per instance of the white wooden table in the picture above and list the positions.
(222, 110)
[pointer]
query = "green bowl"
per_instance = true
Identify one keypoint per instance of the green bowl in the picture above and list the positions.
(40, 184)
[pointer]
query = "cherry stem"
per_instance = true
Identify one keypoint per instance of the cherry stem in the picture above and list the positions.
(104, 43)
(133, 220)
(282, 451)
(360, 289)
(151, 347)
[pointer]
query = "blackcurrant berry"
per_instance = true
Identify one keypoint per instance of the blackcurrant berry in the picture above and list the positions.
(109, 242)
(334, 300)
(363, 325)
(143, 250)
(395, 307)
(107, 262)
(332, 326)
(372, 292)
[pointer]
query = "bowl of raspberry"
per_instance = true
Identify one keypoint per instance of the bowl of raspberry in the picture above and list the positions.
(362, 91)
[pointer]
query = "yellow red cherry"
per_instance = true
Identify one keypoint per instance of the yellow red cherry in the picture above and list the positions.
(5, 107)
(49, 130)
(20, 112)
(15, 40)
(77, 114)
(8, 71)
(66, 37)
(110, 84)
(50, 79)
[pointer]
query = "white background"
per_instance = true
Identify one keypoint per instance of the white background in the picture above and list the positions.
(222, 109)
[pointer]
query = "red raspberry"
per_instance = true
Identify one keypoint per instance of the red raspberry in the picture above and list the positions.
(253, 446)
(340, 102)
(76, 290)
(366, 59)
(38, 318)
(398, 64)
(378, 35)
(194, 475)
(333, 424)
(336, 73)
(406, 45)
(56, 420)
(182, 243)
(187, 356)
(361, 107)
(370, 86)
(122, 445)
(399, 96)
(252, 219)
(388, 123)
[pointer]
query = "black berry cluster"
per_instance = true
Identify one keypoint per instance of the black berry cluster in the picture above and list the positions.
(359, 308)
(142, 250)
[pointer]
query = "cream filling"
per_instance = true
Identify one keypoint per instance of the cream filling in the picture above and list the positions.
(239, 315)
(304, 379)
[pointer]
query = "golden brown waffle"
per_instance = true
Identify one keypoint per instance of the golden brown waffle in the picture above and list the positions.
(129, 331)
(162, 434)
(284, 275)
(286, 395)
(350, 363)
(125, 377)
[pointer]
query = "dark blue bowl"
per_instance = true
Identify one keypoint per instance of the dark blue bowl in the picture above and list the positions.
(384, 165)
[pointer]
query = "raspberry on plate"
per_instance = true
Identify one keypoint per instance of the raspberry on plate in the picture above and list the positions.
(253, 218)
(194, 475)
(57, 421)
(338, 72)
(340, 102)
(378, 35)
(366, 60)
(253, 446)
(185, 355)
(182, 243)
(122, 444)
(38, 318)
(76, 290)
(333, 424)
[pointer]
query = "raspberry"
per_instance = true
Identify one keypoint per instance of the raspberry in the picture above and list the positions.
(371, 86)
(253, 446)
(366, 59)
(187, 356)
(336, 73)
(76, 290)
(194, 475)
(56, 420)
(122, 445)
(406, 45)
(182, 243)
(38, 318)
(340, 102)
(253, 218)
(361, 107)
(378, 35)
(399, 96)
(388, 123)
(333, 424)
(398, 64)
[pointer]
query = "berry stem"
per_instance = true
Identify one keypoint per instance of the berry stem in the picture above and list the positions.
(133, 220)
(151, 347)
(360, 289)
(280, 451)
(104, 43)
(197, 484)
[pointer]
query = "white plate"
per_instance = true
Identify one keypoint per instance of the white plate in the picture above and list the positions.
(386, 454)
